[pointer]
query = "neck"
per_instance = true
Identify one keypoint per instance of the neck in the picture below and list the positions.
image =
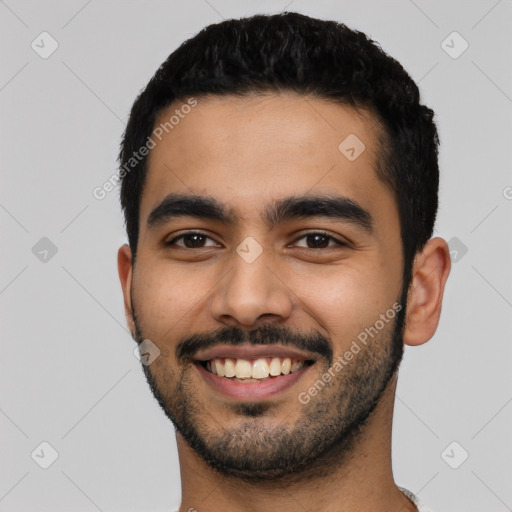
(360, 479)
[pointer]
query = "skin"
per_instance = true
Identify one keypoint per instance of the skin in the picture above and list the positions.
(246, 152)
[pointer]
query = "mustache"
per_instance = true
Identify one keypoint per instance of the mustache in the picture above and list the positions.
(266, 335)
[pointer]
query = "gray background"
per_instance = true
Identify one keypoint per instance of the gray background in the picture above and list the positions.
(68, 375)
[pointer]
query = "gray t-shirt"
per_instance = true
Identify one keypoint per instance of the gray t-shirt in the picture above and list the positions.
(420, 506)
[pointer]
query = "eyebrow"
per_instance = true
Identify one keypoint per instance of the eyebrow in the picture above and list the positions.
(288, 208)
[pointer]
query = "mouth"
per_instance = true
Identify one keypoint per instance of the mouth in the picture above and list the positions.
(255, 370)
(252, 373)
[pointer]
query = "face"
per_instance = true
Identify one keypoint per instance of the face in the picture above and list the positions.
(267, 255)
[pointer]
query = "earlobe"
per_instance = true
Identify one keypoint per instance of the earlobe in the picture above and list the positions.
(429, 274)
(125, 270)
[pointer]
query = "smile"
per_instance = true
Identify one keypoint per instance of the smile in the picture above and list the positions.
(246, 370)
(252, 372)
(260, 385)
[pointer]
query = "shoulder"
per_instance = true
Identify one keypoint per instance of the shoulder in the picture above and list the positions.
(421, 507)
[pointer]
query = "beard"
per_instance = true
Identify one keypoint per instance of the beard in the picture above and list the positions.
(326, 427)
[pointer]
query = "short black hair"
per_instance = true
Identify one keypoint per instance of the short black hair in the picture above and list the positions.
(312, 57)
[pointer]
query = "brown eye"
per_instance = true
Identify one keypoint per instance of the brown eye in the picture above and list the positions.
(191, 240)
(320, 240)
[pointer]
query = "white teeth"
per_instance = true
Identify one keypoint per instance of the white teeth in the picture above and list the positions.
(220, 367)
(243, 369)
(253, 370)
(286, 366)
(229, 367)
(260, 369)
(275, 367)
(296, 365)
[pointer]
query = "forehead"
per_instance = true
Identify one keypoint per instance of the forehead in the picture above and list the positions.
(248, 151)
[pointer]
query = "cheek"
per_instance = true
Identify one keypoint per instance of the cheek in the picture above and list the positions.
(165, 298)
(345, 300)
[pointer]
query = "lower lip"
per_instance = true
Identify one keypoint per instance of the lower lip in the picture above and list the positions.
(251, 390)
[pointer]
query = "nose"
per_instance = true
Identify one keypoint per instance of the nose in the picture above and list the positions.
(252, 291)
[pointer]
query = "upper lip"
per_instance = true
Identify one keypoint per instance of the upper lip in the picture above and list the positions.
(251, 352)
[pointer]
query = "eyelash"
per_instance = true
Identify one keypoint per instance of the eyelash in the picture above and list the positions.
(322, 233)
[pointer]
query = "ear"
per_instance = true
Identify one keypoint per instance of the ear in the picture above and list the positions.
(429, 274)
(124, 267)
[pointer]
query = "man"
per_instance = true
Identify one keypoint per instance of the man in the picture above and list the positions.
(279, 184)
